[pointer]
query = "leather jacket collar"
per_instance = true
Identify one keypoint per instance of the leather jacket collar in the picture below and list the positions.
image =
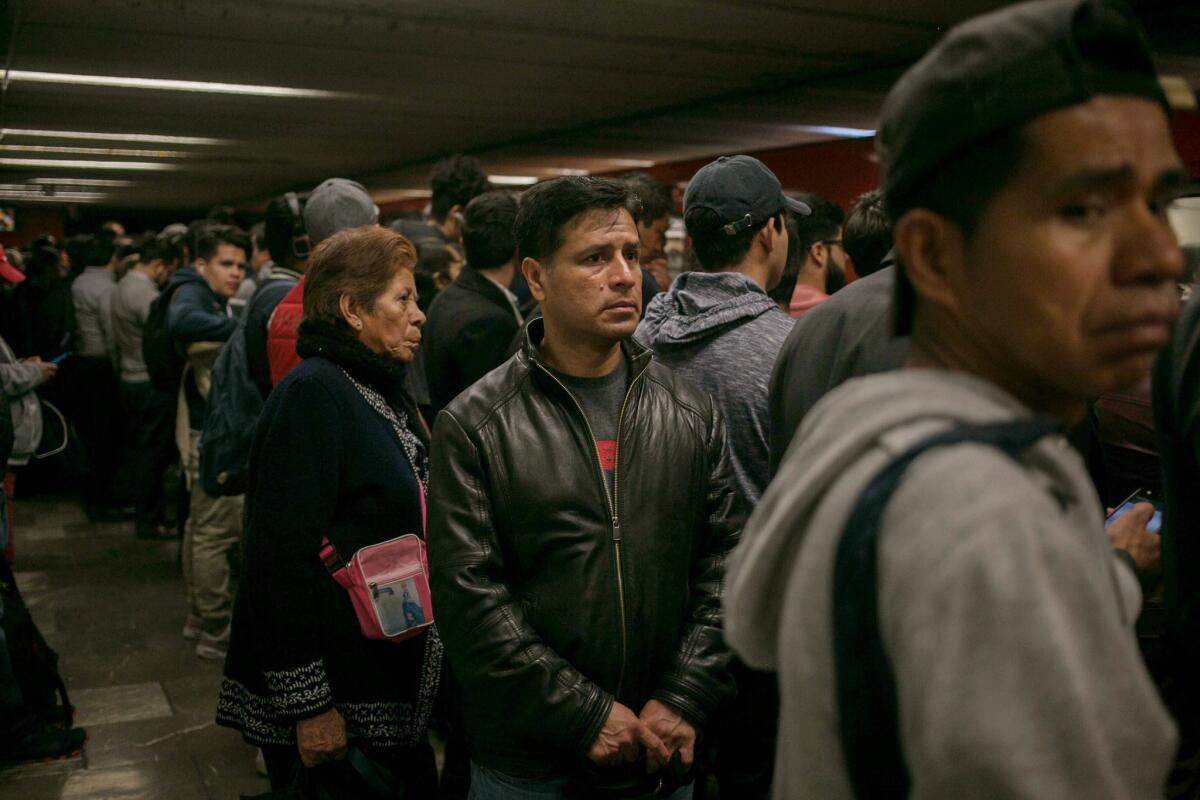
(638, 356)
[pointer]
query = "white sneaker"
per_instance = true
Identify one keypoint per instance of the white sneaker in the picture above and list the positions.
(213, 648)
(192, 628)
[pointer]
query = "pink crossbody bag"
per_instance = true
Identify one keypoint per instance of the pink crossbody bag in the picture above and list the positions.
(388, 584)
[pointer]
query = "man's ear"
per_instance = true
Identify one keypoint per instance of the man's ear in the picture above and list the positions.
(769, 235)
(533, 271)
(932, 249)
(818, 255)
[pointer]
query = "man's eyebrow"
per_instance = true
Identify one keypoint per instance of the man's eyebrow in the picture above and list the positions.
(1173, 180)
(1169, 180)
(1091, 179)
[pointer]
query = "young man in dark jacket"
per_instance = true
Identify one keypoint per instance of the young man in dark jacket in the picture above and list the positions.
(198, 320)
(578, 593)
(472, 321)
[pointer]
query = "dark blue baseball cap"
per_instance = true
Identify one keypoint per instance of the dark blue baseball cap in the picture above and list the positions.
(741, 191)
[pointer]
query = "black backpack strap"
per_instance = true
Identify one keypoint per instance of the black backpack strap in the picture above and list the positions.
(866, 686)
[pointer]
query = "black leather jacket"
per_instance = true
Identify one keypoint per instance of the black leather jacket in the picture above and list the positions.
(551, 599)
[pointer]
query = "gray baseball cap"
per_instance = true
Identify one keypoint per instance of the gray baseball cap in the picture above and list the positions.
(1002, 69)
(338, 204)
(741, 191)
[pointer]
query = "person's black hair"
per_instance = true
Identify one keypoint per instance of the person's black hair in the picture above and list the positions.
(716, 250)
(455, 181)
(783, 291)
(432, 260)
(222, 215)
(211, 240)
(196, 229)
(42, 264)
(98, 251)
(965, 186)
(547, 208)
(153, 249)
(174, 248)
(488, 235)
(655, 195)
(280, 228)
(76, 248)
(867, 234)
(821, 225)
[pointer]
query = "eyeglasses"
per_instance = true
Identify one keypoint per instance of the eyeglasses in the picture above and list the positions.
(832, 242)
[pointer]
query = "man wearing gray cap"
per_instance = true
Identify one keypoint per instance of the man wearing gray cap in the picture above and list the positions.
(337, 204)
(929, 572)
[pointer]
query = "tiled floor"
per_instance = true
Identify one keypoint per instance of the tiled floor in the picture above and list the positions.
(112, 606)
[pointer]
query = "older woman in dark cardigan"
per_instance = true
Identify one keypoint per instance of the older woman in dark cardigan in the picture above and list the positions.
(339, 451)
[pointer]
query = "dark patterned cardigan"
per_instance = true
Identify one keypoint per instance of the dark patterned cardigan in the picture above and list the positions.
(332, 455)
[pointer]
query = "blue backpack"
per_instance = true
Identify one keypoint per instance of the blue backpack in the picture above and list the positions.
(234, 405)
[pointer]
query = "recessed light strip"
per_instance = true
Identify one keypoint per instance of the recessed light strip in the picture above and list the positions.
(93, 151)
(146, 138)
(55, 163)
(160, 84)
(832, 130)
(79, 182)
(513, 180)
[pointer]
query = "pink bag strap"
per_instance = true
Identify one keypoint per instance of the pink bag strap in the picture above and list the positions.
(334, 563)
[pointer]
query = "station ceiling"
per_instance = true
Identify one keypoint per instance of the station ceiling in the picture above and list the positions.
(271, 95)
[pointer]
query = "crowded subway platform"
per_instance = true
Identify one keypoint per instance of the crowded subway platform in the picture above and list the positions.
(850, 458)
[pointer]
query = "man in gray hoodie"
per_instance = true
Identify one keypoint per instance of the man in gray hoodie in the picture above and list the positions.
(1028, 163)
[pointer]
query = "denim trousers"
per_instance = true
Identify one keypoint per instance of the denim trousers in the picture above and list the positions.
(488, 784)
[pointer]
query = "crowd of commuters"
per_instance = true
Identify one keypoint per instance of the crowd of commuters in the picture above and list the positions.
(822, 515)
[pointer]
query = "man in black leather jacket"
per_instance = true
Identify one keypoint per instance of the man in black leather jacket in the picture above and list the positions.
(582, 507)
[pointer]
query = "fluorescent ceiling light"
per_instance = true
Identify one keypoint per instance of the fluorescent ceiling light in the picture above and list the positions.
(93, 151)
(566, 171)
(147, 138)
(61, 197)
(631, 163)
(68, 164)
(80, 182)
(830, 130)
(161, 84)
(513, 180)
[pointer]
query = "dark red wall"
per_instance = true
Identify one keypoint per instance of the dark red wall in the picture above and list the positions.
(33, 221)
(1187, 140)
(840, 170)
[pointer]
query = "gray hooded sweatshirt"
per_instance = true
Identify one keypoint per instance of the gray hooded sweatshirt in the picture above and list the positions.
(721, 332)
(1006, 618)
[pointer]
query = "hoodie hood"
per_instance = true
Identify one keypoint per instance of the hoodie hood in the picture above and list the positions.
(875, 417)
(700, 305)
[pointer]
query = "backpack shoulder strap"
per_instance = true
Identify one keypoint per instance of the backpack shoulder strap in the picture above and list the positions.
(866, 686)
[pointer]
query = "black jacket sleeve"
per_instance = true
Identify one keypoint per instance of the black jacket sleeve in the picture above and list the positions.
(505, 671)
(698, 679)
(290, 506)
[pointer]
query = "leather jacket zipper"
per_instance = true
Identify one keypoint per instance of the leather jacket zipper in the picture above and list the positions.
(611, 497)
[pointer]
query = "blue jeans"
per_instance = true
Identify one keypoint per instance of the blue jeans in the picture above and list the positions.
(488, 784)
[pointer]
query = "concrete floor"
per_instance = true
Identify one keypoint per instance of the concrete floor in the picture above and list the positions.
(112, 606)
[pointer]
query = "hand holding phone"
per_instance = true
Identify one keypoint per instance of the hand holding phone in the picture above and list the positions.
(1133, 527)
(61, 357)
